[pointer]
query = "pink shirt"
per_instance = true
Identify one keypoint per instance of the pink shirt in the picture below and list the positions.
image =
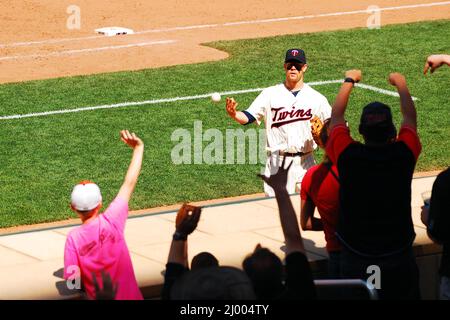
(100, 245)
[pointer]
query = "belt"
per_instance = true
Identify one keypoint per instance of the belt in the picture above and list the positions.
(290, 154)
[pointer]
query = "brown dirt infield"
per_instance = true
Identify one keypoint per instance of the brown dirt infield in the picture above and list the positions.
(36, 44)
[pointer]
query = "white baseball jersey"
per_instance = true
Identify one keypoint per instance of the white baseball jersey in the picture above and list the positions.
(287, 117)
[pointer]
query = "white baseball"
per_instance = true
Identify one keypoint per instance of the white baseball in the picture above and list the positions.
(215, 97)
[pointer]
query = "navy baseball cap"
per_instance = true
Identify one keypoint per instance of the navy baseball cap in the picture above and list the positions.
(295, 55)
(376, 113)
(376, 122)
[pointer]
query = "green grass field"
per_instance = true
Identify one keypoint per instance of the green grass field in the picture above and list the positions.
(42, 158)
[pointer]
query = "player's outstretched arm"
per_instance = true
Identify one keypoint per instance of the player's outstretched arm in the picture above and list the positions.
(435, 61)
(238, 116)
(406, 103)
(340, 104)
(288, 218)
(134, 169)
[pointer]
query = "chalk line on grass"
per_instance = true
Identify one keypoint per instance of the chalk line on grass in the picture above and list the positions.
(167, 100)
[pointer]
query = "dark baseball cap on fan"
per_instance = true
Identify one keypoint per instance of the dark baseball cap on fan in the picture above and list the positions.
(295, 55)
(376, 123)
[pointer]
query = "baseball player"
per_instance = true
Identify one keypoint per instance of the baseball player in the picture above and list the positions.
(287, 109)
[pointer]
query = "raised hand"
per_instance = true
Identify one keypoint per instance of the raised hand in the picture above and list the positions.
(131, 139)
(397, 79)
(109, 290)
(435, 61)
(278, 180)
(187, 219)
(354, 74)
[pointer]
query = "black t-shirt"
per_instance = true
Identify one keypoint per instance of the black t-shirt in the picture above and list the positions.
(439, 219)
(375, 198)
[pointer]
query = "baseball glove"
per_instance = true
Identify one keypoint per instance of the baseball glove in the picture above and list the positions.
(316, 129)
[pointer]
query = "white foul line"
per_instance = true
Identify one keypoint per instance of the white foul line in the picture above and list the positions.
(201, 96)
(68, 52)
(228, 24)
(379, 90)
(344, 13)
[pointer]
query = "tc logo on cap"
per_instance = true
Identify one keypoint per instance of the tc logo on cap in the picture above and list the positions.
(294, 53)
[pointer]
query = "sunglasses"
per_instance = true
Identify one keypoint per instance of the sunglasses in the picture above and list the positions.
(297, 66)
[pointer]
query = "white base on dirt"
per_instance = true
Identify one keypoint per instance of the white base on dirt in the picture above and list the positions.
(114, 31)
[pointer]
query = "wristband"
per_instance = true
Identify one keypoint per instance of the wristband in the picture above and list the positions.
(349, 80)
(177, 236)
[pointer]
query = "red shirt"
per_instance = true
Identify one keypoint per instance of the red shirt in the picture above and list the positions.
(340, 139)
(320, 186)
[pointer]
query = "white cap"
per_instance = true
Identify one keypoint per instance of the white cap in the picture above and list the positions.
(86, 196)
